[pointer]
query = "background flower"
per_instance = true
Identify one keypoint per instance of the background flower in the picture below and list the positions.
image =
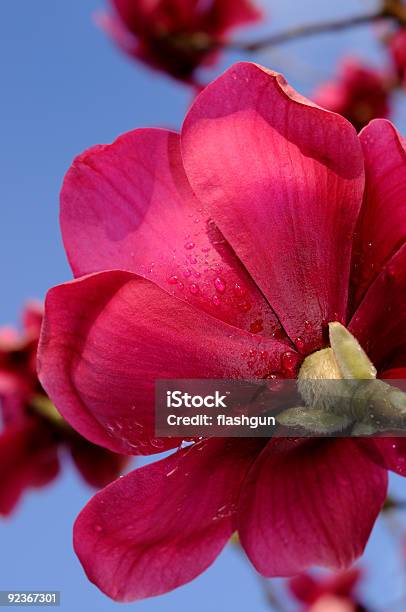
(335, 592)
(33, 432)
(176, 36)
(359, 93)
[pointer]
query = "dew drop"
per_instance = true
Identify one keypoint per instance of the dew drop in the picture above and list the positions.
(245, 306)
(194, 288)
(239, 290)
(216, 300)
(308, 326)
(278, 333)
(137, 428)
(172, 280)
(256, 326)
(187, 273)
(288, 361)
(219, 284)
(300, 344)
(157, 443)
(189, 246)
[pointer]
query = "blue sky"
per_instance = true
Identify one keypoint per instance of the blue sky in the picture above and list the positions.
(64, 88)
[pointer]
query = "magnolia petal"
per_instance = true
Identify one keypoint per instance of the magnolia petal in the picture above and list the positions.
(381, 228)
(283, 181)
(163, 524)
(108, 337)
(129, 206)
(309, 502)
(379, 323)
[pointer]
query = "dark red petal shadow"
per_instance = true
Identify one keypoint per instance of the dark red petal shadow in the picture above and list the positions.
(381, 227)
(379, 323)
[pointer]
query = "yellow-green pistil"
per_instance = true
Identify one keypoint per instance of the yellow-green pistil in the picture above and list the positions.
(341, 393)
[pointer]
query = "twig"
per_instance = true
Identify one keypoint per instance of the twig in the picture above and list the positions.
(310, 29)
(393, 504)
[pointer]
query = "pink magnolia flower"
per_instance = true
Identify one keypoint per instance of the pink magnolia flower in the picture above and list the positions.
(223, 252)
(335, 593)
(359, 93)
(33, 431)
(176, 36)
(397, 48)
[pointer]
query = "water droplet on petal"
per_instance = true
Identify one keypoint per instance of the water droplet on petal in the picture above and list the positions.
(308, 326)
(245, 306)
(219, 284)
(189, 246)
(278, 333)
(300, 344)
(194, 288)
(157, 443)
(216, 300)
(172, 280)
(239, 290)
(288, 361)
(256, 326)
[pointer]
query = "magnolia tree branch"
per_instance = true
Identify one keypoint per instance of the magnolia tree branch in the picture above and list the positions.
(391, 9)
(394, 504)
